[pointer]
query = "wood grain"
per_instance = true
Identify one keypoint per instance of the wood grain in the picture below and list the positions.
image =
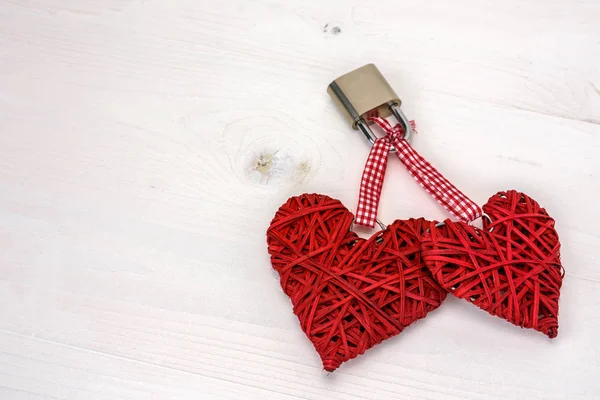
(133, 204)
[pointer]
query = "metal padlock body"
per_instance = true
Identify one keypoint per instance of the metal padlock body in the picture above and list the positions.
(363, 93)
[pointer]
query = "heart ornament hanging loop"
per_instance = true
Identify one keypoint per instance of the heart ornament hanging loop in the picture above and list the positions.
(366, 98)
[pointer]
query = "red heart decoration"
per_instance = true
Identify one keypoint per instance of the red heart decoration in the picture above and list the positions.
(511, 268)
(349, 293)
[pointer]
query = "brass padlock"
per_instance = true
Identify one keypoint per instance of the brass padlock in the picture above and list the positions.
(365, 93)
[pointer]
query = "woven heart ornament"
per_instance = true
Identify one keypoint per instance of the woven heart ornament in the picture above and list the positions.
(511, 268)
(349, 293)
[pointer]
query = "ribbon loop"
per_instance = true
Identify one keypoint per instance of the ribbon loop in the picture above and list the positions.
(430, 179)
(372, 183)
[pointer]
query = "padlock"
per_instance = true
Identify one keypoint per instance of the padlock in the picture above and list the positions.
(365, 93)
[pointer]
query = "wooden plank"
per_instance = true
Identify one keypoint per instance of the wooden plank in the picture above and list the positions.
(101, 345)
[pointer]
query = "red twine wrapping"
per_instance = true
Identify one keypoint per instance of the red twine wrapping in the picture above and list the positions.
(349, 293)
(511, 268)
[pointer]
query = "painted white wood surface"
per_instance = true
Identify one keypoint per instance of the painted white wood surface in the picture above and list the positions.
(132, 254)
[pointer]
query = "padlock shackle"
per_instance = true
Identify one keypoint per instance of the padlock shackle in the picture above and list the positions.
(363, 126)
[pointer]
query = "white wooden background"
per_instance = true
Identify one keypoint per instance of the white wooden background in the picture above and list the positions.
(133, 262)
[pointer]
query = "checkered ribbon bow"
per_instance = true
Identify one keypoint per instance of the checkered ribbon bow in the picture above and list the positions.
(424, 173)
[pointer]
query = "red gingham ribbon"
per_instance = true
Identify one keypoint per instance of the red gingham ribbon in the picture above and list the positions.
(444, 192)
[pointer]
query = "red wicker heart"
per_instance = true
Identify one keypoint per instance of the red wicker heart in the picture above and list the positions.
(349, 293)
(511, 268)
